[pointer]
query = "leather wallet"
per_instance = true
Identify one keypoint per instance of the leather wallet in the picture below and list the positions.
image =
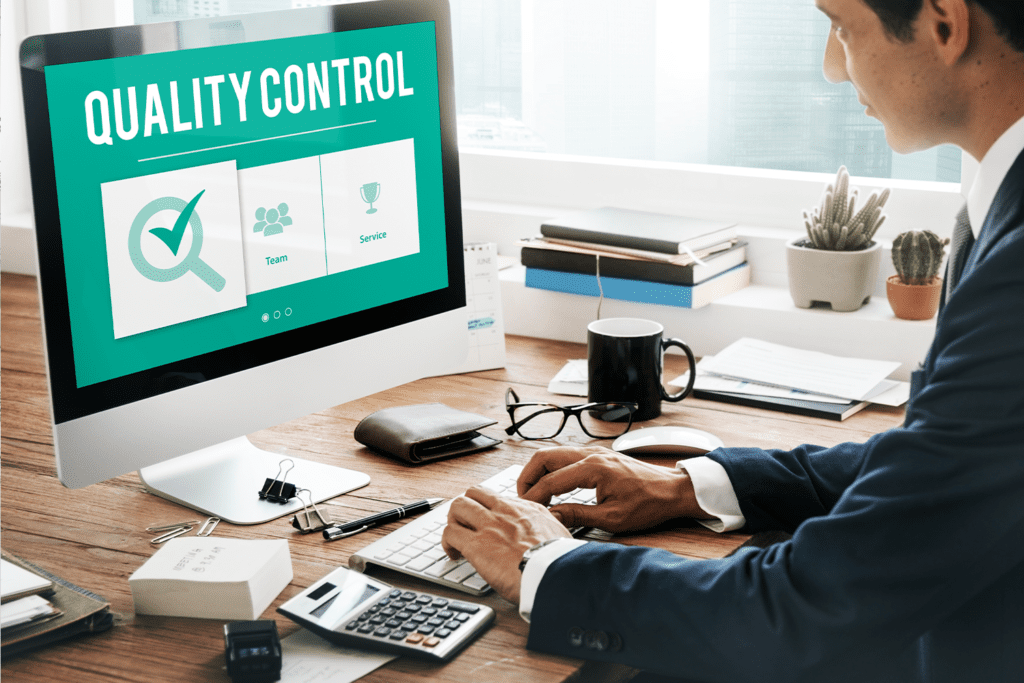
(422, 433)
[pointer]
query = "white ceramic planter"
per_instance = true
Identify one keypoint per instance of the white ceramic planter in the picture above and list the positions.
(843, 279)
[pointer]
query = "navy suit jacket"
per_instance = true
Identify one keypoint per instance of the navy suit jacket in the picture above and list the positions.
(907, 556)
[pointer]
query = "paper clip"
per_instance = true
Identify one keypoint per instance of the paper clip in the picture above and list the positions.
(284, 492)
(166, 527)
(208, 526)
(172, 534)
(311, 518)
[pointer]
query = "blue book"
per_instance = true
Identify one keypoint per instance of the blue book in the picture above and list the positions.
(684, 296)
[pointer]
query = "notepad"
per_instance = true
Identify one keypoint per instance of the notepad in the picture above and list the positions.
(16, 582)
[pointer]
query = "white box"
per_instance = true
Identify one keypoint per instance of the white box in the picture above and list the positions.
(212, 578)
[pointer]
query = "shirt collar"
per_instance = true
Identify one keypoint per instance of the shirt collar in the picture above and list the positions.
(992, 172)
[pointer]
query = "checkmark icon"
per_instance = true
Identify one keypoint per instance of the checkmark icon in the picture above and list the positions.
(172, 238)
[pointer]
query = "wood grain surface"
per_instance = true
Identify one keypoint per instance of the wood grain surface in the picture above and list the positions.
(95, 536)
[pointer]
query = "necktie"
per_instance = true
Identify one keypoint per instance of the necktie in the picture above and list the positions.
(963, 240)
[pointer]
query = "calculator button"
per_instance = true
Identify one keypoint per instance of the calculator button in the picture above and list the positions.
(394, 594)
(377, 620)
(408, 595)
(463, 607)
(442, 633)
(431, 642)
(351, 626)
(462, 617)
(446, 614)
(426, 629)
(364, 616)
(414, 638)
(374, 609)
(412, 607)
(366, 628)
(389, 611)
(398, 604)
(398, 635)
(439, 602)
(435, 622)
(384, 602)
(393, 623)
(452, 625)
(429, 611)
(423, 600)
(418, 619)
(403, 615)
(382, 632)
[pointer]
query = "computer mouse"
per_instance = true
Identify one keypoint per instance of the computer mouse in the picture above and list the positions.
(681, 441)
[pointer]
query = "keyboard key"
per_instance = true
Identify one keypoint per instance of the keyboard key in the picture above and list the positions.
(398, 559)
(422, 545)
(437, 553)
(444, 566)
(382, 554)
(475, 581)
(460, 573)
(420, 563)
(465, 607)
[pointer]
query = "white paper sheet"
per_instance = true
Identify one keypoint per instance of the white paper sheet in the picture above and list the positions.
(571, 380)
(306, 657)
(706, 382)
(810, 371)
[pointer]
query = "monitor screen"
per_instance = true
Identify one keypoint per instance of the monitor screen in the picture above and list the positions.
(240, 221)
(229, 205)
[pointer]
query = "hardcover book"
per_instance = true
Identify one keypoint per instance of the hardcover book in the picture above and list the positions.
(633, 268)
(639, 230)
(685, 296)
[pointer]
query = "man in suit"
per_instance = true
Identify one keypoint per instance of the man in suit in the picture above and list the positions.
(907, 556)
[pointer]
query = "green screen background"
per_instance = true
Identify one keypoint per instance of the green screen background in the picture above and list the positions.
(81, 167)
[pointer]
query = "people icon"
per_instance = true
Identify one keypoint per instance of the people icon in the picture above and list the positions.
(272, 221)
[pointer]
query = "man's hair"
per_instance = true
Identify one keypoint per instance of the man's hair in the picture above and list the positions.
(898, 17)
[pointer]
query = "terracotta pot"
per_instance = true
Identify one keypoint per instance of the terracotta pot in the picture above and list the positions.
(843, 279)
(913, 302)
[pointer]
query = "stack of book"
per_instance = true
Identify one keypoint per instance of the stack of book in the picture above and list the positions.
(637, 256)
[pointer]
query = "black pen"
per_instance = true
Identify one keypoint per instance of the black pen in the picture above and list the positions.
(352, 528)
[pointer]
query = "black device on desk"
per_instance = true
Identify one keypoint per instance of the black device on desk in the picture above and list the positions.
(352, 609)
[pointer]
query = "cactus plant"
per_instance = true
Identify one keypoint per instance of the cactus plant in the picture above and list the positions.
(836, 225)
(917, 256)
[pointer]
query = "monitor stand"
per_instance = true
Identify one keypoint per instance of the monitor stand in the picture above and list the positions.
(224, 481)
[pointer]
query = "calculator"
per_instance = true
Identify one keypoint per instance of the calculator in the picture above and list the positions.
(352, 609)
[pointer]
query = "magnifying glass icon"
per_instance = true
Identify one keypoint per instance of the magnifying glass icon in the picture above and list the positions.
(192, 261)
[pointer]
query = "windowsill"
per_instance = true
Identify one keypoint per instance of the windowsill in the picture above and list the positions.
(761, 311)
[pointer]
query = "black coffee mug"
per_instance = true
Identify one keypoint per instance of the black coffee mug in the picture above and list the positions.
(624, 363)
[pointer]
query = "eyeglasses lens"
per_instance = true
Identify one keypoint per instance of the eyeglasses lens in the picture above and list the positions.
(544, 422)
(607, 420)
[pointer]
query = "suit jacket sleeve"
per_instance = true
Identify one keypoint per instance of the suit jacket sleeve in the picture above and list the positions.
(920, 531)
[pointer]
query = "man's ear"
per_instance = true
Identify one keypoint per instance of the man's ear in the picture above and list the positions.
(948, 23)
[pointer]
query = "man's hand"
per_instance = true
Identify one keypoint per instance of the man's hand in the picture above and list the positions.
(493, 533)
(631, 494)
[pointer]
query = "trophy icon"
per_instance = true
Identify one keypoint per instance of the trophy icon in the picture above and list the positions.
(370, 192)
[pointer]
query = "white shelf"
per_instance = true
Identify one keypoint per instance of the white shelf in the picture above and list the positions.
(759, 311)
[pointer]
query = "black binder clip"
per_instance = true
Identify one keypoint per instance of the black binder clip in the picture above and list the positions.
(311, 518)
(277, 490)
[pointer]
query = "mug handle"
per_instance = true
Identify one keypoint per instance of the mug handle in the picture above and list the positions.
(665, 343)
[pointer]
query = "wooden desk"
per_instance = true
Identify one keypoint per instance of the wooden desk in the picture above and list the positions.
(95, 536)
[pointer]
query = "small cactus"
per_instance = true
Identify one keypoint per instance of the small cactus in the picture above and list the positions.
(918, 256)
(836, 225)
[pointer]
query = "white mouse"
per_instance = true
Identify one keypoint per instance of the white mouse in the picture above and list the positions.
(681, 441)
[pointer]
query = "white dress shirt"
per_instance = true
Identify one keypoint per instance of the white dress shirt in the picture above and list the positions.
(711, 485)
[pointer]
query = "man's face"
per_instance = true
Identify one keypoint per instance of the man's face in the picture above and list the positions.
(901, 84)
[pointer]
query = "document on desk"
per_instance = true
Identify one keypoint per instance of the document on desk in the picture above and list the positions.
(308, 658)
(814, 372)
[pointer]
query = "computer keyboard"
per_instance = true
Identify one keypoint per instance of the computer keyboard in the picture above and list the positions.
(415, 549)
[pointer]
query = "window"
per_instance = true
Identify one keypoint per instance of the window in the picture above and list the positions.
(720, 82)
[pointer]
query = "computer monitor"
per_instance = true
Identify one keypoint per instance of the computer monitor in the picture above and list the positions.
(240, 221)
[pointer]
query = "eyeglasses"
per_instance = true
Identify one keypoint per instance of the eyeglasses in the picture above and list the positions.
(546, 420)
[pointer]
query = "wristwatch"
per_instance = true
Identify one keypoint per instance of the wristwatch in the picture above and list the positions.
(530, 552)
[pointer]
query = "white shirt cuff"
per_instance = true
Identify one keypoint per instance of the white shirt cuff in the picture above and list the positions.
(714, 493)
(535, 568)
